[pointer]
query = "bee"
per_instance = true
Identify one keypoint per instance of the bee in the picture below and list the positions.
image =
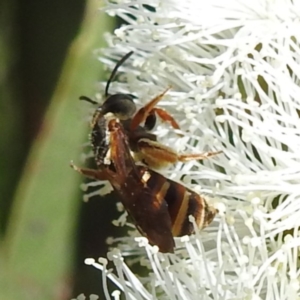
(160, 207)
(137, 125)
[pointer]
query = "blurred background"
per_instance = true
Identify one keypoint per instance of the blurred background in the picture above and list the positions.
(47, 62)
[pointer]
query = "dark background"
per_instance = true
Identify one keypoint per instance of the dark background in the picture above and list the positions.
(35, 38)
(37, 35)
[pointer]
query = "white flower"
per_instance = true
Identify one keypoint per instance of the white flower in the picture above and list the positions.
(234, 68)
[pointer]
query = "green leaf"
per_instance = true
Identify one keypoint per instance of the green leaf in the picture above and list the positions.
(37, 253)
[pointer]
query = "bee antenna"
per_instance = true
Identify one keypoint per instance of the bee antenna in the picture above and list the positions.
(85, 98)
(113, 73)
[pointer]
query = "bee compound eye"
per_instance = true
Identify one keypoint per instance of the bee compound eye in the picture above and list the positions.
(150, 122)
(121, 105)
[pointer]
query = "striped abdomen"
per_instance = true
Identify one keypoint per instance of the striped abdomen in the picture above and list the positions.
(182, 202)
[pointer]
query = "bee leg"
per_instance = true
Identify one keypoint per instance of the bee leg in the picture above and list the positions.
(91, 173)
(142, 114)
(157, 155)
(166, 117)
(197, 156)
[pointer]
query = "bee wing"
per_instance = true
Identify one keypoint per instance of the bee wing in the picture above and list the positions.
(148, 208)
(152, 218)
(120, 153)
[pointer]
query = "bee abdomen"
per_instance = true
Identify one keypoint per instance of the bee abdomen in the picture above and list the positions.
(192, 205)
(182, 202)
